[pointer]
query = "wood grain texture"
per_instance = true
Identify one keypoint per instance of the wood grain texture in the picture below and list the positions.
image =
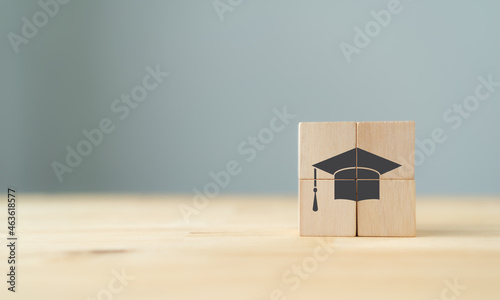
(321, 140)
(334, 217)
(394, 141)
(393, 214)
(245, 247)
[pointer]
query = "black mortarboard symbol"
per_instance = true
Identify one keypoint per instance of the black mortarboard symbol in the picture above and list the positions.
(356, 164)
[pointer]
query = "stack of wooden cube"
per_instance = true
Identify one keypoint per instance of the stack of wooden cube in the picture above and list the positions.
(357, 179)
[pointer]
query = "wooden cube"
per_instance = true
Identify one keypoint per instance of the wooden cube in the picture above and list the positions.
(393, 214)
(328, 216)
(394, 141)
(319, 141)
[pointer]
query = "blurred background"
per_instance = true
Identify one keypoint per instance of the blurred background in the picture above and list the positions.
(234, 67)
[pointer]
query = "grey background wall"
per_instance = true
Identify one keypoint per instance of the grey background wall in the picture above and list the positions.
(227, 72)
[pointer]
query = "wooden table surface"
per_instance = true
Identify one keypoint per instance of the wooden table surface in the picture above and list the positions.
(244, 247)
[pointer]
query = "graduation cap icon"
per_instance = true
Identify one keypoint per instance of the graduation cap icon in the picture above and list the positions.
(355, 164)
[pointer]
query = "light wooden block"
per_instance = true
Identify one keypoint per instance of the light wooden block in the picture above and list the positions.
(391, 215)
(334, 217)
(394, 141)
(319, 141)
